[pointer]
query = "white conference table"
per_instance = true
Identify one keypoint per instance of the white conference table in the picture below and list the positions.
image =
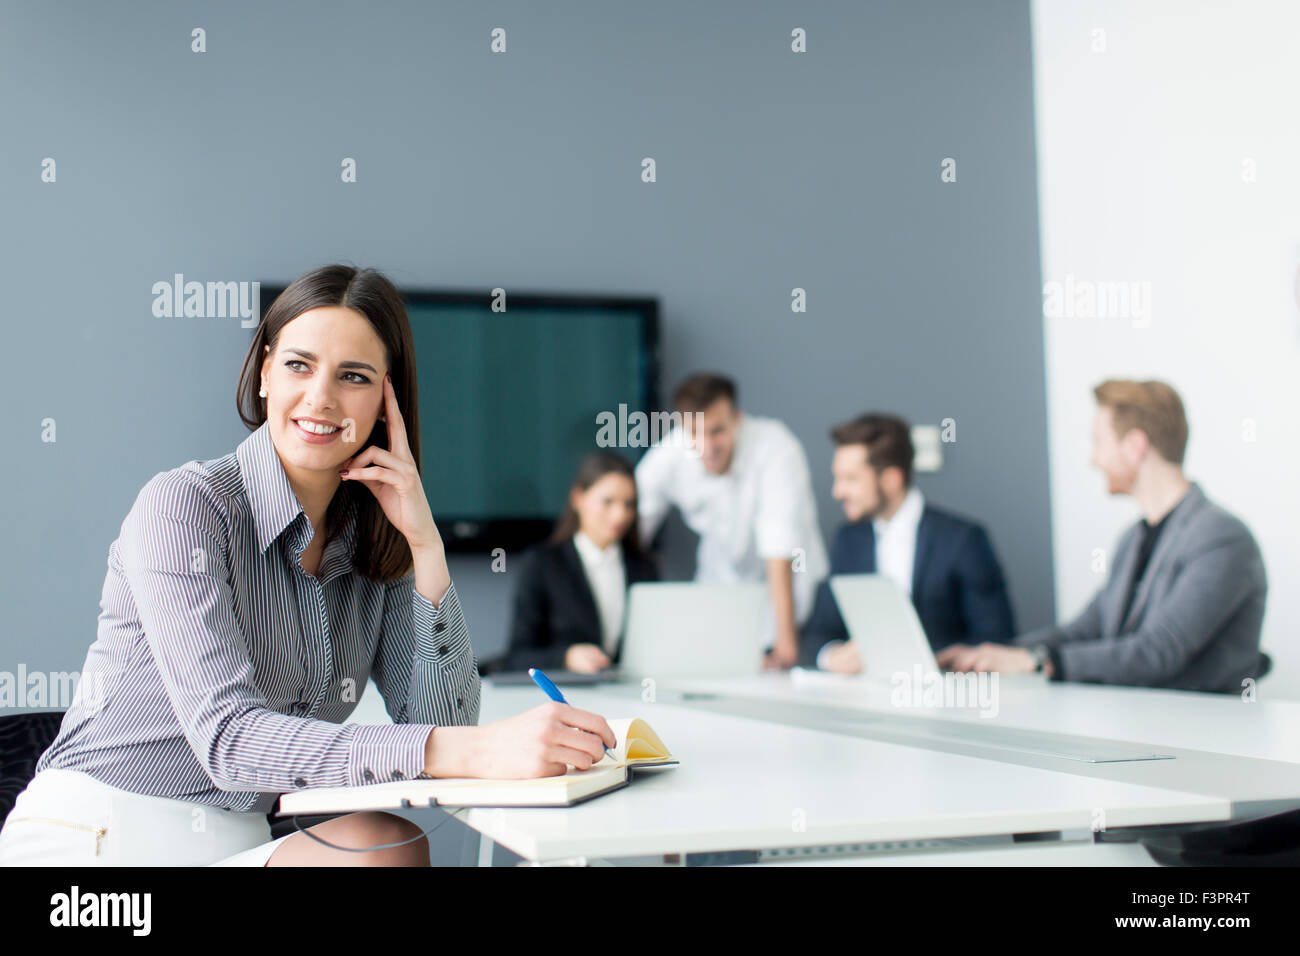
(1222, 723)
(814, 768)
(1247, 752)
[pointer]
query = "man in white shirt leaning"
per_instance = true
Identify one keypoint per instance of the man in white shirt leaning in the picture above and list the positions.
(741, 482)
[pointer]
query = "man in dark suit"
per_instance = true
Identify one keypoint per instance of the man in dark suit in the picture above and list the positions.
(944, 562)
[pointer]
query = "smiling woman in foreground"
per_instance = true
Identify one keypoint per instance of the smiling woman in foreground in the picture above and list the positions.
(248, 600)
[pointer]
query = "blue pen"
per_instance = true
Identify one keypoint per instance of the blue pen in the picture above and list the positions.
(553, 692)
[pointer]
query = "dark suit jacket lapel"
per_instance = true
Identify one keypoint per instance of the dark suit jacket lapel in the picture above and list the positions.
(1166, 546)
(1122, 575)
(924, 547)
(636, 568)
(865, 562)
(581, 587)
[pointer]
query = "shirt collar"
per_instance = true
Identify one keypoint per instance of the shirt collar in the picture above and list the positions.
(907, 515)
(742, 451)
(275, 504)
(589, 552)
(270, 496)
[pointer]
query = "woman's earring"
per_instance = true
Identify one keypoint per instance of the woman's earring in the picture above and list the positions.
(262, 393)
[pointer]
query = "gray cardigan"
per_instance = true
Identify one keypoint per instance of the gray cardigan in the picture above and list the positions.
(1195, 620)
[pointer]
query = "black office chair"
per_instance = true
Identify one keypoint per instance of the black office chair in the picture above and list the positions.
(1272, 840)
(492, 665)
(1265, 665)
(23, 738)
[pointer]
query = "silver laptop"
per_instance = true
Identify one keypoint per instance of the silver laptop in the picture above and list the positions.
(689, 629)
(883, 624)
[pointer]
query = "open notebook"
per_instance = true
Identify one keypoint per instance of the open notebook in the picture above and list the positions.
(638, 747)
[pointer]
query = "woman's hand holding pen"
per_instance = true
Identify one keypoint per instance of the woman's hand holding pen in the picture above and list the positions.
(541, 742)
(394, 480)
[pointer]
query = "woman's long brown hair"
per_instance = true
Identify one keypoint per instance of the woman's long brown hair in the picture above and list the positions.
(381, 552)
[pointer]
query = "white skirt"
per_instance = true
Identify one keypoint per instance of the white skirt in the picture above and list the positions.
(68, 818)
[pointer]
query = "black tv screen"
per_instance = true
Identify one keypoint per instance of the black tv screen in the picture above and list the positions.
(509, 401)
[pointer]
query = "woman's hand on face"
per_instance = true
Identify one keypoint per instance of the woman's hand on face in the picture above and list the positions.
(542, 742)
(394, 480)
(585, 659)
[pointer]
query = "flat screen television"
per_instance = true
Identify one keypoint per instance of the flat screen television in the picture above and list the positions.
(509, 401)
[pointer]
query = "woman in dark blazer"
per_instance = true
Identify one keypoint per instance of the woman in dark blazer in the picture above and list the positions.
(569, 607)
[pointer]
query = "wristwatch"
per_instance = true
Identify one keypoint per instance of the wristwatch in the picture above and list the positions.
(1041, 655)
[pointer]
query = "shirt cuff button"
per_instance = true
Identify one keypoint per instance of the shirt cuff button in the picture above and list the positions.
(299, 782)
(398, 775)
(368, 775)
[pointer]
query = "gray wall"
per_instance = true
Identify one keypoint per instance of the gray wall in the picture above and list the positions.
(775, 170)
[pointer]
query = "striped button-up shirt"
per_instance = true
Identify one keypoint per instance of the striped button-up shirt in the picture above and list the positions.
(222, 672)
